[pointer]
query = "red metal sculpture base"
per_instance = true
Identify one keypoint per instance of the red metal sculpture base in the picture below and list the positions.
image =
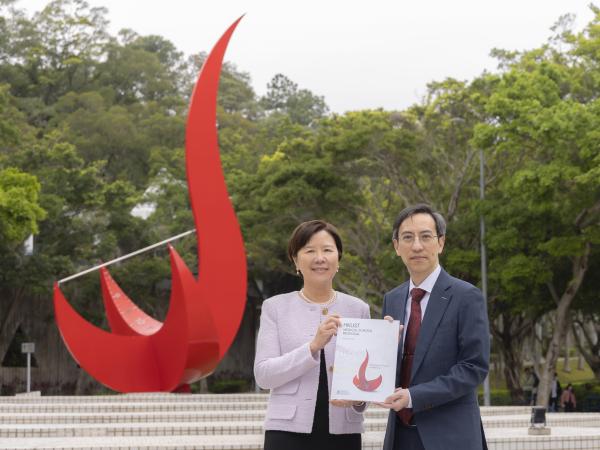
(142, 354)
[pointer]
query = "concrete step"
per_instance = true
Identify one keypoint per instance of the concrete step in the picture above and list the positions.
(129, 407)
(240, 442)
(152, 397)
(158, 400)
(504, 410)
(233, 426)
(230, 421)
(561, 438)
(192, 415)
(158, 416)
(131, 417)
(587, 420)
(169, 404)
(498, 439)
(130, 429)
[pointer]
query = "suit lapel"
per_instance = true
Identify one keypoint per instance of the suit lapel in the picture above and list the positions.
(400, 303)
(398, 312)
(439, 300)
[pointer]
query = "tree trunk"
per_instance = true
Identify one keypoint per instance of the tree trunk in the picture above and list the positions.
(587, 340)
(508, 334)
(580, 265)
(567, 362)
(537, 346)
(9, 325)
(203, 386)
(512, 375)
(85, 384)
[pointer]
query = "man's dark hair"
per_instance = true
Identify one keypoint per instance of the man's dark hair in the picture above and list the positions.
(303, 232)
(421, 208)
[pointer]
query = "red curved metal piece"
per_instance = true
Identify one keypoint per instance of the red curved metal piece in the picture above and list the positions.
(360, 380)
(159, 362)
(143, 354)
(221, 255)
(124, 317)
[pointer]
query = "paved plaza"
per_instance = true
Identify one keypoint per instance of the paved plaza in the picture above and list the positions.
(229, 421)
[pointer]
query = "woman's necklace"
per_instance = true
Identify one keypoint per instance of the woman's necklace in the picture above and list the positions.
(324, 306)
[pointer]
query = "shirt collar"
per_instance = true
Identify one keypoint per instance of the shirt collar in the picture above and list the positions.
(428, 282)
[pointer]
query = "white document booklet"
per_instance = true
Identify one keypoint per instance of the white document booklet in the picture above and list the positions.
(364, 368)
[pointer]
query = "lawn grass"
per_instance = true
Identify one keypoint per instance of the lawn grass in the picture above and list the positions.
(575, 376)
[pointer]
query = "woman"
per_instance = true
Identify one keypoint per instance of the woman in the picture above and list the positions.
(567, 399)
(295, 349)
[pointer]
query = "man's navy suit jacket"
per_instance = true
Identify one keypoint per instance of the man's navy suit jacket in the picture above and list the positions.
(451, 360)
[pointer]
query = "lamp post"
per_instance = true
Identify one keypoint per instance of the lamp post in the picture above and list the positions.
(486, 383)
(28, 348)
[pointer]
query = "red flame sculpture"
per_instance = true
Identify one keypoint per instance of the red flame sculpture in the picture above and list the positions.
(142, 354)
(360, 380)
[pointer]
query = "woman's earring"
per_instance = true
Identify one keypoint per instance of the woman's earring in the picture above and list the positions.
(338, 269)
(297, 271)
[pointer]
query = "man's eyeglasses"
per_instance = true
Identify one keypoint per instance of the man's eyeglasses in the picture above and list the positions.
(409, 239)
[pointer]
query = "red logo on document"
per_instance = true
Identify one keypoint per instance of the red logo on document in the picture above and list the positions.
(360, 380)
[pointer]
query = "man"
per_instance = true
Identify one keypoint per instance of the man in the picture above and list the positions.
(444, 353)
(533, 381)
(555, 393)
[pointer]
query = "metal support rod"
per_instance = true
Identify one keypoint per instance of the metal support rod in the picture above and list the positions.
(486, 383)
(129, 255)
(28, 372)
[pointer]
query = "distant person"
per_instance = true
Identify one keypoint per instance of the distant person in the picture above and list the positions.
(555, 393)
(567, 399)
(295, 349)
(534, 381)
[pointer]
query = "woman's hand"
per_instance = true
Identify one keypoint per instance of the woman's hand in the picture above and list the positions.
(326, 330)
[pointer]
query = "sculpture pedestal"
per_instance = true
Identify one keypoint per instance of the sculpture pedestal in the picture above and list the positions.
(538, 431)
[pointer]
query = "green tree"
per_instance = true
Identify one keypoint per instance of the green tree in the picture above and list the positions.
(19, 205)
(544, 210)
(51, 53)
(301, 105)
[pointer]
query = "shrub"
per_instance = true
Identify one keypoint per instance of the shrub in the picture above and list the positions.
(229, 386)
(498, 397)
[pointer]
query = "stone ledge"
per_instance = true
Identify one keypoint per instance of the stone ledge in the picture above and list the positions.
(507, 439)
(141, 397)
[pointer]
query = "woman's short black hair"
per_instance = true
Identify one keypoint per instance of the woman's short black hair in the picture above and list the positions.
(303, 232)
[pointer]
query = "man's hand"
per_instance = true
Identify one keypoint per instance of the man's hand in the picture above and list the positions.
(391, 319)
(397, 401)
(345, 403)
